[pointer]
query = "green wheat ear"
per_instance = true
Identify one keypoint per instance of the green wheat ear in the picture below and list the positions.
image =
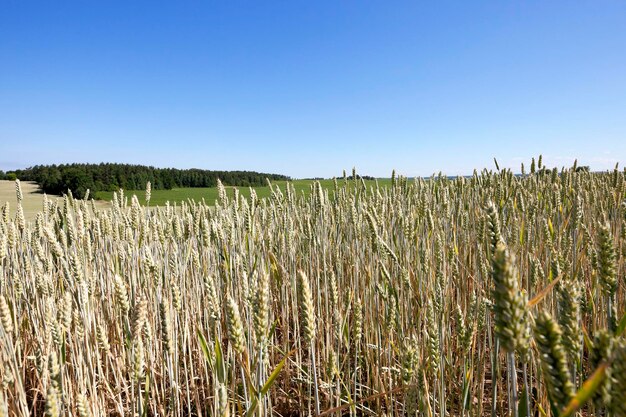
(553, 361)
(306, 307)
(261, 304)
(601, 352)
(618, 372)
(509, 305)
(607, 272)
(493, 226)
(234, 325)
(606, 261)
(166, 327)
(569, 316)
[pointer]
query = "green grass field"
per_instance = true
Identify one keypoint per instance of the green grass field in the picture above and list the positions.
(177, 195)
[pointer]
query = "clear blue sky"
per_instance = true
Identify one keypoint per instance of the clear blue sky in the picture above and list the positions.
(312, 88)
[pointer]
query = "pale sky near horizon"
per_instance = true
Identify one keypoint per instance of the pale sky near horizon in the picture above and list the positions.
(309, 89)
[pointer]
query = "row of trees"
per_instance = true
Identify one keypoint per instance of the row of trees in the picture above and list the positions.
(57, 179)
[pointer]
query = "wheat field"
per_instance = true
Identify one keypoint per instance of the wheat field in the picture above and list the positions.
(32, 198)
(491, 295)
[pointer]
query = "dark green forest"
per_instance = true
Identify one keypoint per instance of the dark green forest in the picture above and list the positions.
(58, 179)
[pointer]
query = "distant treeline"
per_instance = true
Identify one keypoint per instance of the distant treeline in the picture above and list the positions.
(57, 179)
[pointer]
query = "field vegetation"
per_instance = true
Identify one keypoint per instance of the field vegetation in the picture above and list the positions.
(489, 295)
(211, 194)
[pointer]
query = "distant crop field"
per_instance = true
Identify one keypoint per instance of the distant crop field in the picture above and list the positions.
(33, 198)
(178, 195)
